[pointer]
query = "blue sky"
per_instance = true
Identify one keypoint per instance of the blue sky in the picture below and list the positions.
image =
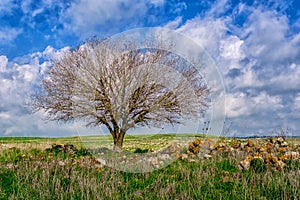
(255, 45)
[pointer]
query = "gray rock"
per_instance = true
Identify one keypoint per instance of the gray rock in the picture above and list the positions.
(284, 144)
(184, 156)
(165, 157)
(207, 156)
(101, 160)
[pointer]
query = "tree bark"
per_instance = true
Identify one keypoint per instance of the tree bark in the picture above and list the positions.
(118, 141)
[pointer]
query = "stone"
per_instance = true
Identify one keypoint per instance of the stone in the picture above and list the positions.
(101, 161)
(165, 157)
(245, 164)
(295, 155)
(207, 156)
(258, 156)
(263, 149)
(274, 160)
(10, 166)
(184, 156)
(280, 140)
(210, 144)
(61, 163)
(220, 149)
(154, 162)
(281, 149)
(279, 165)
(242, 145)
(222, 144)
(250, 143)
(272, 140)
(284, 144)
(191, 145)
(292, 155)
(235, 145)
(99, 168)
(197, 142)
(172, 147)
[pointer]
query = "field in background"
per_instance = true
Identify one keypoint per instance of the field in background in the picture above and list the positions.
(131, 142)
(153, 142)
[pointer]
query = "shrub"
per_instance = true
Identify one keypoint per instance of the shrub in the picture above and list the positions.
(11, 155)
(139, 150)
(82, 152)
(7, 179)
(257, 165)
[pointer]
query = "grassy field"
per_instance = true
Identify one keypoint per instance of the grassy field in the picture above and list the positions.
(31, 169)
(131, 142)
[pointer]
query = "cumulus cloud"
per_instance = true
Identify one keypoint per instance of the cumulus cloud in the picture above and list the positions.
(255, 48)
(3, 63)
(86, 18)
(258, 59)
(173, 24)
(207, 32)
(9, 34)
(242, 104)
(231, 48)
(17, 80)
(266, 36)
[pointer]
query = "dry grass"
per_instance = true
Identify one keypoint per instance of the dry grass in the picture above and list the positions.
(40, 174)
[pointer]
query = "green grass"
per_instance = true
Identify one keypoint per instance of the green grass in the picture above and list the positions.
(35, 173)
(131, 142)
(32, 177)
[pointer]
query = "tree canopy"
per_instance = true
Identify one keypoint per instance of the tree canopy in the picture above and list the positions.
(102, 84)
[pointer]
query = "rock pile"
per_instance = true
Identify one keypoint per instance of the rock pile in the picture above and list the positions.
(66, 148)
(139, 162)
(274, 153)
(207, 148)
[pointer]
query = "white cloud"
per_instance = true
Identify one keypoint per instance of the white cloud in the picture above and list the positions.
(86, 18)
(259, 58)
(240, 104)
(157, 3)
(259, 61)
(26, 6)
(286, 80)
(207, 32)
(231, 48)
(236, 105)
(179, 7)
(296, 106)
(247, 78)
(267, 37)
(173, 24)
(9, 34)
(37, 11)
(5, 115)
(6, 6)
(218, 8)
(17, 80)
(3, 63)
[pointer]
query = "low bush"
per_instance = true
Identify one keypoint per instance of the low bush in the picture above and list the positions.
(257, 165)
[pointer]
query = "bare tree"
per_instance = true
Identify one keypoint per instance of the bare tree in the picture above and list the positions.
(104, 85)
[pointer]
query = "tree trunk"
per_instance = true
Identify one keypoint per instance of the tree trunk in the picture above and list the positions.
(118, 141)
